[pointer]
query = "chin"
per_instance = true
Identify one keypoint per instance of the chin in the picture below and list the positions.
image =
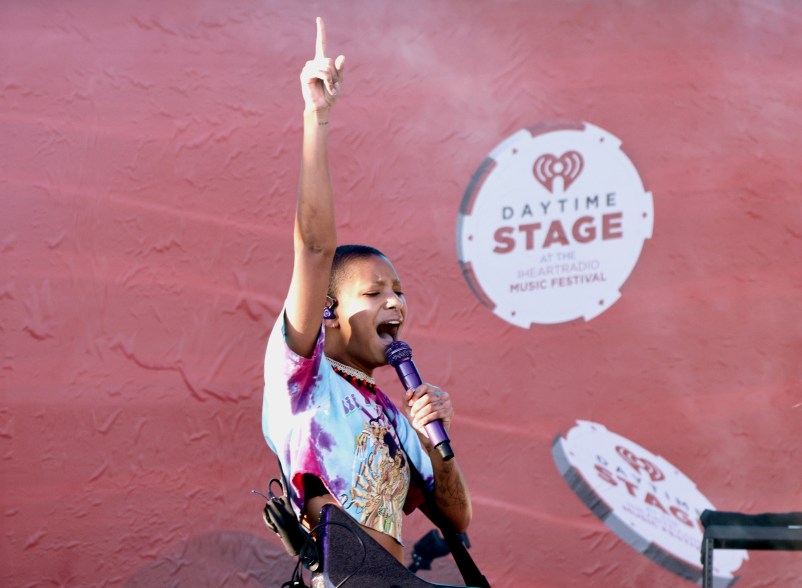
(381, 352)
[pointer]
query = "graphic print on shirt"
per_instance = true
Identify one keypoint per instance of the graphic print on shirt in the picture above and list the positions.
(350, 404)
(380, 477)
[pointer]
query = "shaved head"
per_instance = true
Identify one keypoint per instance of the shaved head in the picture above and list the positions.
(343, 256)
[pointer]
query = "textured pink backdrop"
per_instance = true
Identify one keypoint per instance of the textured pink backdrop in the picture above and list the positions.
(148, 163)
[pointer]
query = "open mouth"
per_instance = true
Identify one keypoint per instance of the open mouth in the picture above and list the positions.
(389, 330)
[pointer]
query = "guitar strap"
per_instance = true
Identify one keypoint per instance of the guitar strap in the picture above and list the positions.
(467, 567)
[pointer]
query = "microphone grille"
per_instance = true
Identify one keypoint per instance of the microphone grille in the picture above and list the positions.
(396, 352)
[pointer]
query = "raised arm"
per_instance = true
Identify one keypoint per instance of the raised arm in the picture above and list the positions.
(315, 231)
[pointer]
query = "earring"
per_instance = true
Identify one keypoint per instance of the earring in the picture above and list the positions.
(328, 310)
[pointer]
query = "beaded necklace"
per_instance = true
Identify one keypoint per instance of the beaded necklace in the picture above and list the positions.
(353, 375)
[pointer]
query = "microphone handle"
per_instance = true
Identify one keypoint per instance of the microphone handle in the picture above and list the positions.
(410, 377)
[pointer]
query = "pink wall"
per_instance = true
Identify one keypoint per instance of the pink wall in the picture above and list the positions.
(148, 166)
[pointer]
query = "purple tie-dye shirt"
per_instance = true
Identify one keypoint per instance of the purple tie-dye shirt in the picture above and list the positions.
(319, 424)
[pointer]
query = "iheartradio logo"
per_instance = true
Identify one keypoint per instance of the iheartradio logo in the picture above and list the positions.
(639, 463)
(567, 166)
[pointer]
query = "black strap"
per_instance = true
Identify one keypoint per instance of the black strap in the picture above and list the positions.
(467, 567)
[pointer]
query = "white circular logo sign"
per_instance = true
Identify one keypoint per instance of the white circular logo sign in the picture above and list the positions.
(642, 498)
(552, 224)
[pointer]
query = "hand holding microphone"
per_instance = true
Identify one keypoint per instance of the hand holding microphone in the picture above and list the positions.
(399, 355)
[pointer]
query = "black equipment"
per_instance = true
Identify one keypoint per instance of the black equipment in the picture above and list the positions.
(352, 559)
(342, 552)
(281, 519)
(430, 547)
(734, 530)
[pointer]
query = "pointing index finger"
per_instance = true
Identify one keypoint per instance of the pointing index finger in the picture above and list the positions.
(320, 43)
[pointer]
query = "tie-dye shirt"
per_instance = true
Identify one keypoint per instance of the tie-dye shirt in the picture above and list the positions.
(320, 424)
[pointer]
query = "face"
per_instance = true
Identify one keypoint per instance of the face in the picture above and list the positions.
(370, 314)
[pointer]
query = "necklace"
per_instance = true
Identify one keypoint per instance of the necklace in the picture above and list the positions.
(353, 375)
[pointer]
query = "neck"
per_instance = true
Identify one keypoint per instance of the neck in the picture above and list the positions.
(336, 349)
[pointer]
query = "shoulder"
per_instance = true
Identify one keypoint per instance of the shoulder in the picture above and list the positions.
(278, 350)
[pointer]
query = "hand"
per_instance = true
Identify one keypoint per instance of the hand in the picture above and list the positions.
(425, 404)
(321, 77)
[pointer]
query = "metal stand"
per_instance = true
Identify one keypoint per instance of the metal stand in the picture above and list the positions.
(733, 530)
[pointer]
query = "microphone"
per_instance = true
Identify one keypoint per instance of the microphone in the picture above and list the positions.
(399, 355)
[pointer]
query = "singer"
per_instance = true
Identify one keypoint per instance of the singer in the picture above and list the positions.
(339, 438)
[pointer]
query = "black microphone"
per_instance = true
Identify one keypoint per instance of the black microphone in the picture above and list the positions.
(399, 355)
